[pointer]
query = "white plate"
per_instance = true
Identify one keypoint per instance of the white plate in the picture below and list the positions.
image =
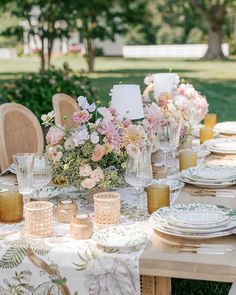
(220, 152)
(226, 127)
(120, 237)
(208, 185)
(213, 172)
(49, 192)
(159, 220)
(6, 229)
(198, 218)
(173, 183)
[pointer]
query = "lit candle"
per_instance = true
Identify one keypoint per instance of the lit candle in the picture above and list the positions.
(187, 158)
(206, 133)
(11, 206)
(210, 120)
(158, 196)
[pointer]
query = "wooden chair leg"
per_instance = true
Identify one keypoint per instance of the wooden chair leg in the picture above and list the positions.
(163, 286)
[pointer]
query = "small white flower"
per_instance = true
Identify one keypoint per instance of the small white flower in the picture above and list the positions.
(48, 117)
(94, 137)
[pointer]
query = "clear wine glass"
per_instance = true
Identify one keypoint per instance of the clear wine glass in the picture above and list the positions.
(41, 173)
(169, 140)
(138, 174)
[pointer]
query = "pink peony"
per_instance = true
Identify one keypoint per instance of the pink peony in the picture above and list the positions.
(98, 153)
(81, 116)
(88, 183)
(54, 135)
(85, 170)
(97, 174)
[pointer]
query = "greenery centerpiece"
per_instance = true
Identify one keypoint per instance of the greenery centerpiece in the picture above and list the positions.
(93, 155)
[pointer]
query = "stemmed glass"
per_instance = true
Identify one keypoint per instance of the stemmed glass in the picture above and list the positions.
(41, 173)
(138, 174)
(169, 140)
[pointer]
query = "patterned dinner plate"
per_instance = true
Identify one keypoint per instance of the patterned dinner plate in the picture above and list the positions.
(173, 183)
(120, 237)
(224, 218)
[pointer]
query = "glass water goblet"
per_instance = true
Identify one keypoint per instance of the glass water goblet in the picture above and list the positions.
(139, 174)
(41, 173)
(24, 166)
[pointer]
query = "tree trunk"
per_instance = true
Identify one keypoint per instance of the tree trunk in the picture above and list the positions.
(90, 55)
(216, 18)
(50, 47)
(42, 58)
(214, 50)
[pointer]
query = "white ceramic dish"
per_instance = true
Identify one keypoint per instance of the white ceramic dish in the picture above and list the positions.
(160, 220)
(228, 127)
(120, 237)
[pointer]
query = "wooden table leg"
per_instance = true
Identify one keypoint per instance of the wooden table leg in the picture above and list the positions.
(163, 286)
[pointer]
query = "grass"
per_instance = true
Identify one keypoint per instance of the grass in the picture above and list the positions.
(216, 80)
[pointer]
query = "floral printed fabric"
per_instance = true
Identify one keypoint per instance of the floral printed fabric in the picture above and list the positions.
(61, 265)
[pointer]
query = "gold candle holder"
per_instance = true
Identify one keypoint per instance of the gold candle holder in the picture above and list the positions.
(65, 211)
(107, 208)
(158, 196)
(206, 133)
(11, 206)
(187, 158)
(81, 227)
(210, 120)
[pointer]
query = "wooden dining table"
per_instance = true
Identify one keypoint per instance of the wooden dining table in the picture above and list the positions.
(161, 263)
(158, 263)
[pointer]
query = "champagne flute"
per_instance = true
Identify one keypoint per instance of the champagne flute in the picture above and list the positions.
(138, 174)
(41, 173)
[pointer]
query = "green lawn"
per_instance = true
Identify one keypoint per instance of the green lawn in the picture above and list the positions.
(216, 80)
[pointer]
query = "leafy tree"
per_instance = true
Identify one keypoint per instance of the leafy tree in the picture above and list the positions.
(102, 19)
(43, 19)
(208, 15)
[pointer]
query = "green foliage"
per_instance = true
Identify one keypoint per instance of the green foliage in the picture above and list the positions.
(192, 287)
(35, 90)
(13, 256)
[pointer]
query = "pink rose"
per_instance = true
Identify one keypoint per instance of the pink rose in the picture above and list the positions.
(98, 153)
(97, 174)
(69, 143)
(88, 183)
(54, 135)
(54, 155)
(85, 170)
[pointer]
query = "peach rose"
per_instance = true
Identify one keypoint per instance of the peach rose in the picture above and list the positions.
(69, 143)
(88, 183)
(98, 153)
(97, 174)
(54, 155)
(54, 135)
(85, 170)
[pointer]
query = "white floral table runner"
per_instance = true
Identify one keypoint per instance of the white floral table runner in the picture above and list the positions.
(61, 265)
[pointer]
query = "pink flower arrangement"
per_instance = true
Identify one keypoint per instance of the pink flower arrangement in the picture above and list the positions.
(81, 116)
(98, 153)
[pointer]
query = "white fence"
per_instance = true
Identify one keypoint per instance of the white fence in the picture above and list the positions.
(184, 51)
(7, 53)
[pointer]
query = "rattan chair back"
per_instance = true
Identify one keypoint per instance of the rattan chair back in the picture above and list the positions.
(20, 132)
(64, 106)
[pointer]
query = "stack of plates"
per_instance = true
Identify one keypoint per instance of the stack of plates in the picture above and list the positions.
(228, 128)
(194, 221)
(223, 146)
(215, 176)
